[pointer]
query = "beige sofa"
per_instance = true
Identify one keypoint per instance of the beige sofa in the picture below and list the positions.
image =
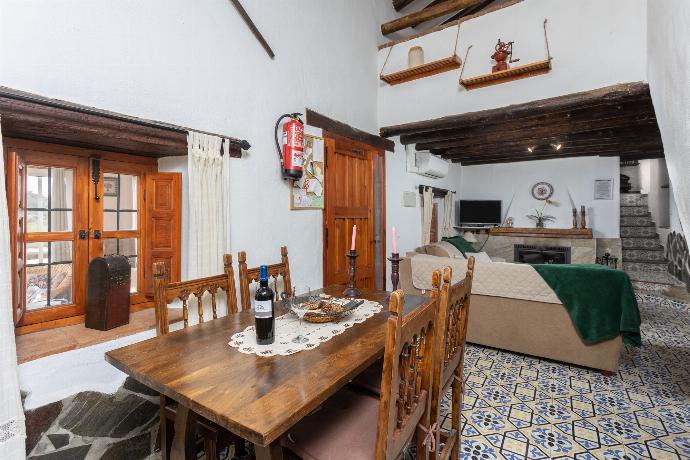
(539, 329)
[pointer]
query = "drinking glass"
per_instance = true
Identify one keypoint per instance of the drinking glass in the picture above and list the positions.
(299, 304)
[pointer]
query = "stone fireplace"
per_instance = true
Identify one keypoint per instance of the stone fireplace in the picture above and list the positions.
(541, 254)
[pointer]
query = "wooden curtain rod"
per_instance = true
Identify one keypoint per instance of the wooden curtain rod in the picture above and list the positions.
(435, 190)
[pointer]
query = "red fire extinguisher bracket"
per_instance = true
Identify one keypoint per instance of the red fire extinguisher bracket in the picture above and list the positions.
(291, 155)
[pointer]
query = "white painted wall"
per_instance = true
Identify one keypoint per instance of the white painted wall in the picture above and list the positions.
(668, 65)
(198, 65)
(594, 43)
(408, 221)
(503, 181)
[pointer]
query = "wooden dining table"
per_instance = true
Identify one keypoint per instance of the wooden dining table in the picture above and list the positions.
(258, 398)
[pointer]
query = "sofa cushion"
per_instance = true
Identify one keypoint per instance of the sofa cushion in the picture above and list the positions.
(461, 243)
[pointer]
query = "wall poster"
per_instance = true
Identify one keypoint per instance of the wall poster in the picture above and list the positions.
(308, 192)
(603, 189)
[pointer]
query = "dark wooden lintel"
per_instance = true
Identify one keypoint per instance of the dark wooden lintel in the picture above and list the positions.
(33, 117)
(318, 120)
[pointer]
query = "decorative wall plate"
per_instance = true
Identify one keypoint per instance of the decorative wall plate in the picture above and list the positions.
(542, 190)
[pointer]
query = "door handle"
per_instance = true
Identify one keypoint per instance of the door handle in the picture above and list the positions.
(96, 234)
(83, 234)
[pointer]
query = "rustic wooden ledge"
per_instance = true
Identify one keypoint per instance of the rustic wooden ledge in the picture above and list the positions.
(516, 73)
(575, 233)
(421, 71)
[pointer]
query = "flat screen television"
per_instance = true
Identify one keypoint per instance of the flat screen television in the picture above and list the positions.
(478, 212)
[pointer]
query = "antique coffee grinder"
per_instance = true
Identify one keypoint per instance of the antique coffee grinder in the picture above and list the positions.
(503, 52)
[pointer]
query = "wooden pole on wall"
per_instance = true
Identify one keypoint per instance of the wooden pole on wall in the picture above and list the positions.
(253, 27)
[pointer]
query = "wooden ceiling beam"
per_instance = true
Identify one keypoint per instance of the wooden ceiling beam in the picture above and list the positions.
(533, 135)
(615, 93)
(619, 135)
(427, 14)
(637, 109)
(400, 4)
(516, 159)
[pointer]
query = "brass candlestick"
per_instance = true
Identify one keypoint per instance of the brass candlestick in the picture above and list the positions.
(574, 217)
(395, 269)
(583, 217)
(352, 290)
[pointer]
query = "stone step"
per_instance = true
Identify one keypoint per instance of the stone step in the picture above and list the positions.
(641, 243)
(644, 267)
(644, 254)
(652, 277)
(636, 221)
(634, 199)
(634, 211)
(638, 232)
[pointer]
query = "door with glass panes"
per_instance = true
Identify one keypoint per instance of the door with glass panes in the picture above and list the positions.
(67, 210)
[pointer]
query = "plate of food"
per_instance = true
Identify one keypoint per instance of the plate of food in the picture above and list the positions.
(324, 310)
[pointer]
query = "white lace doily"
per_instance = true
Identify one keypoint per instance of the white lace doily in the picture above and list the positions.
(287, 328)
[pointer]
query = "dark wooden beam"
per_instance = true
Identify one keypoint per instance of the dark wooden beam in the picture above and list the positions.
(562, 104)
(33, 117)
(400, 4)
(317, 120)
(520, 158)
(255, 30)
(638, 110)
(448, 6)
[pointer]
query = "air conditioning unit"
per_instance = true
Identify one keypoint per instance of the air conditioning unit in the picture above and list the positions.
(426, 164)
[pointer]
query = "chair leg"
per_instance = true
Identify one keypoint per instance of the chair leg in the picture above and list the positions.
(164, 430)
(456, 405)
(240, 448)
(210, 449)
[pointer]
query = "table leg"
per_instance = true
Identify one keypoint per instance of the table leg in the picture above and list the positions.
(184, 440)
(273, 451)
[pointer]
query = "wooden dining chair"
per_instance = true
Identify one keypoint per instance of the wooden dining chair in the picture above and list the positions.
(251, 275)
(449, 350)
(212, 435)
(357, 425)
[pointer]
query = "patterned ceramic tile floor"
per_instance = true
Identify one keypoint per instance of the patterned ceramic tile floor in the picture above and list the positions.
(520, 407)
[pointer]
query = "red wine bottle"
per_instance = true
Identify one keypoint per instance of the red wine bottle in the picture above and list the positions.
(263, 310)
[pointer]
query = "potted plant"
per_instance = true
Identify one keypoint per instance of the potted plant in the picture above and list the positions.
(539, 217)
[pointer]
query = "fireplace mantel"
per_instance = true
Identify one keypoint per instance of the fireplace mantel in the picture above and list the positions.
(573, 233)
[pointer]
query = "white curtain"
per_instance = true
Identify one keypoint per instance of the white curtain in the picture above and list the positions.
(448, 212)
(427, 211)
(208, 204)
(12, 429)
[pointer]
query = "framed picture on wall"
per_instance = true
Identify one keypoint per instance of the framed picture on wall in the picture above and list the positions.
(110, 186)
(603, 189)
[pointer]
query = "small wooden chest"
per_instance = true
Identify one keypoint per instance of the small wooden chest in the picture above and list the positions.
(107, 292)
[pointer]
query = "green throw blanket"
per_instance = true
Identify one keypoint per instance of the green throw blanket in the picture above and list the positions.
(600, 300)
(461, 243)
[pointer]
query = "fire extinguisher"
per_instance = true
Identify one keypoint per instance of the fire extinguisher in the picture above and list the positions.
(291, 156)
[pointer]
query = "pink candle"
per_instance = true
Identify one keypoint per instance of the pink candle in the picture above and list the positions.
(395, 243)
(354, 235)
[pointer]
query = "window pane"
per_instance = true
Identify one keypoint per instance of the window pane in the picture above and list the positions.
(120, 194)
(134, 262)
(36, 283)
(60, 284)
(123, 246)
(47, 274)
(37, 221)
(49, 199)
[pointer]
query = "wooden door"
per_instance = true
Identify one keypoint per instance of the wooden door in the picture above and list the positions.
(350, 200)
(16, 167)
(115, 218)
(163, 236)
(54, 229)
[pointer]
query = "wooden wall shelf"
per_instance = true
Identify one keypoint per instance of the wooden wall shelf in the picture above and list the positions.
(422, 71)
(516, 73)
(575, 233)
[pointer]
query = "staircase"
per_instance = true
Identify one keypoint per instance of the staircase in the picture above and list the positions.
(643, 254)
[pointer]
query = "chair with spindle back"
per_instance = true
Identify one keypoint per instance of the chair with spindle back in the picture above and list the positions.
(251, 275)
(451, 329)
(165, 293)
(357, 425)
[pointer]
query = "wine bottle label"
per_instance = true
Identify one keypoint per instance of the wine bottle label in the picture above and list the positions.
(263, 308)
